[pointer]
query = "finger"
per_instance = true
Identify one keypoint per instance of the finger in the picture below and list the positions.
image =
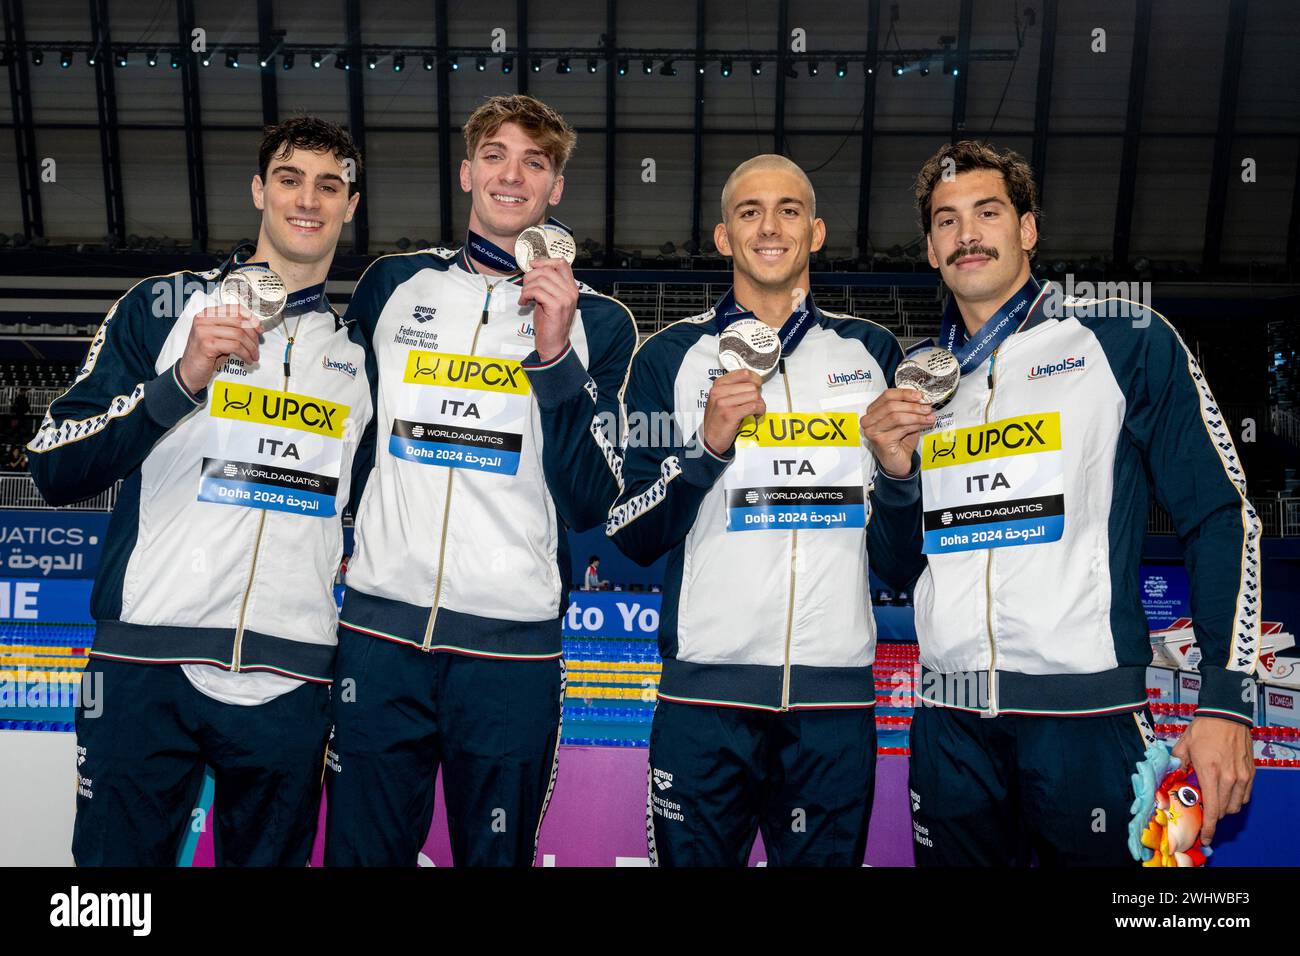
(901, 395)
(216, 345)
(550, 279)
(1238, 795)
(546, 297)
(896, 437)
(245, 337)
(734, 401)
(223, 350)
(1212, 802)
(739, 375)
(227, 316)
(554, 265)
(898, 420)
(880, 410)
(739, 388)
(744, 410)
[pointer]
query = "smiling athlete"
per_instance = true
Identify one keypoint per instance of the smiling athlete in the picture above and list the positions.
(769, 504)
(497, 413)
(214, 604)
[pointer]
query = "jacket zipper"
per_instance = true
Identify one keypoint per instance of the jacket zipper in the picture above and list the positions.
(446, 506)
(794, 553)
(988, 569)
(261, 524)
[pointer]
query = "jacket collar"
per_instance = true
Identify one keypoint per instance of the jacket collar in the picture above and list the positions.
(726, 311)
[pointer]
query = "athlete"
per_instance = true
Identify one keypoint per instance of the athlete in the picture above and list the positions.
(768, 502)
(1036, 482)
(497, 419)
(216, 622)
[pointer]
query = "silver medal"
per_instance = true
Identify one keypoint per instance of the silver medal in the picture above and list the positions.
(934, 373)
(546, 241)
(259, 290)
(749, 344)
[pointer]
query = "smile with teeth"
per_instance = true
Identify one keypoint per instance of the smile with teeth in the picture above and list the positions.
(514, 200)
(305, 223)
(771, 252)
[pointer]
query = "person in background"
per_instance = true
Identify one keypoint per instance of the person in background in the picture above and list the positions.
(591, 581)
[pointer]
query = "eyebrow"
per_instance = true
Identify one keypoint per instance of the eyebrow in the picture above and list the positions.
(978, 202)
(783, 201)
(530, 151)
(294, 170)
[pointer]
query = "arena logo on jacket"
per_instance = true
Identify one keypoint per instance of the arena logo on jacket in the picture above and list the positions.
(274, 450)
(461, 411)
(995, 485)
(796, 471)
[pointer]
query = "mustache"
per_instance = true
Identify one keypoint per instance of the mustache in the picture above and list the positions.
(972, 251)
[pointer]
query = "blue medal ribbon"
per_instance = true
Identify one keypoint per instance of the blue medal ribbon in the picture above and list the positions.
(310, 299)
(487, 253)
(971, 351)
(793, 329)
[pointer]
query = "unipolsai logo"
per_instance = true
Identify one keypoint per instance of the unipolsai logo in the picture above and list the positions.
(839, 379)
(525, 330)
(348, 368)
(1057, 368)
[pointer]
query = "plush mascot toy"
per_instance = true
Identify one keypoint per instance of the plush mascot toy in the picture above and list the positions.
(1167, 813)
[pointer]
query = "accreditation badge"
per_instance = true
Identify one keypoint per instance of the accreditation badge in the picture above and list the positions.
(279, 451)
(993, 486)
(796, 471)
(461, 411)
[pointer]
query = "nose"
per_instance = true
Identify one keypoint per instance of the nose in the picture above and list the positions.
(771, 225)
(513, 172)
(307, 198)
(969, 234)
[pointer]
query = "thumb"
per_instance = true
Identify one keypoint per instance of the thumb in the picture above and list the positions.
(1180, 749)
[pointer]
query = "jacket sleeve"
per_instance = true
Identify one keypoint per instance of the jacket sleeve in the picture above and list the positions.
(363, 459)
(665, 478)
(102, 428)
(894, 534)
(1197, 477)
(580, 415)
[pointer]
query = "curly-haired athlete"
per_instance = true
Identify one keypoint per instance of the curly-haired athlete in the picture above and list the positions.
(1036, 481)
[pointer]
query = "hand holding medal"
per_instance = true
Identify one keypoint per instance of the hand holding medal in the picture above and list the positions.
(545, 254)
(252, 302)
(893, 423)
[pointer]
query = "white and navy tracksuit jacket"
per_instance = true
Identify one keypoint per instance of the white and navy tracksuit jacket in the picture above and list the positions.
(766, 593)
(226, 535)
(1032, 575)
(483, 457)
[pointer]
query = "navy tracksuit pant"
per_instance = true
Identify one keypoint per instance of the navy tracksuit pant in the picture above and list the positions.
(400, 713)
(720, 775)
(1002, 791)
(141, 752)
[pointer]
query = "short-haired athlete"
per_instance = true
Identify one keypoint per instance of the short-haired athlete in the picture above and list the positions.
(768, 502)
(214, 602)
(1036, 479)
(497, 412)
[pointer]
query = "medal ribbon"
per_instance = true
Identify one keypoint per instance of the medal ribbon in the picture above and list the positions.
(971, 351)
(309, 299)
(792, 331)
(487, 253)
